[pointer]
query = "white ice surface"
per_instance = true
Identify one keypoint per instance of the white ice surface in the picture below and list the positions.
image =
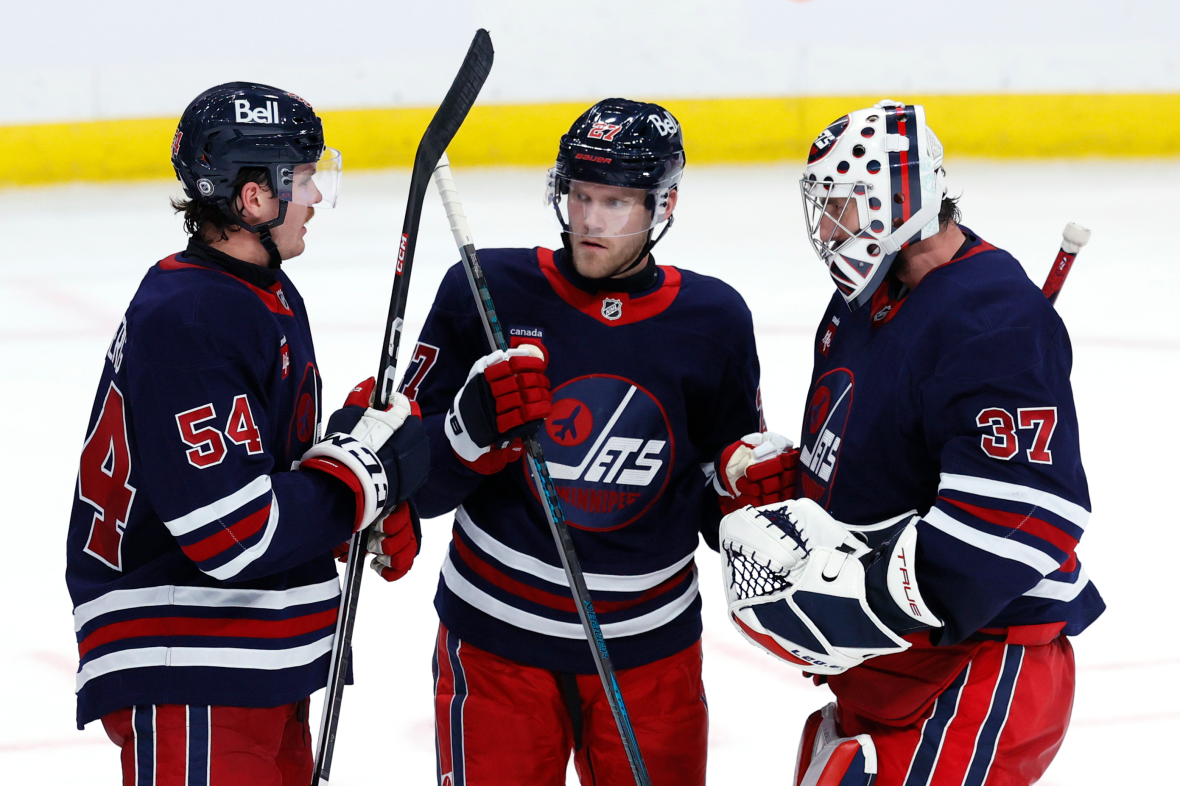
(70, 259)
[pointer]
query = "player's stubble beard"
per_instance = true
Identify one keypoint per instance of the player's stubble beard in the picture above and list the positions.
(619, 255)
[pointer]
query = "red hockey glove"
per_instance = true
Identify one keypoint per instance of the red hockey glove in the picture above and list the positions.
(383, 456)
(394, 542)
(756, 470)
(506, 398)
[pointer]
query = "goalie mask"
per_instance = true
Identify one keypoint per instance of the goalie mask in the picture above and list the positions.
(873, 185)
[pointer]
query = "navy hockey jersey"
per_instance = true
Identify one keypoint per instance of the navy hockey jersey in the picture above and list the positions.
(955, 401)
(198, 562)
(647, 388)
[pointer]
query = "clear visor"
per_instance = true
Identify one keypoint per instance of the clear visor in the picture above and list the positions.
(835, 214)
(596, 210)
(315, 185)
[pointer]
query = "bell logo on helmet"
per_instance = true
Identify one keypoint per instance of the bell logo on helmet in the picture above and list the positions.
(604, 131)
(205, 186)
(612, 308)
(268, 114)
(666, 125)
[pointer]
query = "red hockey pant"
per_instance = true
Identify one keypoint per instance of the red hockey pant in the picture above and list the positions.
(501, 722)
(1000, 723)
(179, 745)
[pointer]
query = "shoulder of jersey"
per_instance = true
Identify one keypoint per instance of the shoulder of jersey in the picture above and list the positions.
(989, 283)
(717, 299)
(172, 302)
(501, 266)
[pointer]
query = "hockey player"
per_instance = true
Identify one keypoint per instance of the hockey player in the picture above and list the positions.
(644, 373)
(200, 545)
(929, 571)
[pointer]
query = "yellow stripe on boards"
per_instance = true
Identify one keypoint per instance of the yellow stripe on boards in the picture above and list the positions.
(716, 131)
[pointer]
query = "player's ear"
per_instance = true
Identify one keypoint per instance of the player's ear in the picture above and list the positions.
(253, 201)
(672, 201)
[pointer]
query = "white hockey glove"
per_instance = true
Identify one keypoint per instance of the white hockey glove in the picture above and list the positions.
(795, 586)
(383, 456)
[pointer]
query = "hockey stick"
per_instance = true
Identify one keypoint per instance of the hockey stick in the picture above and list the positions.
(1073, 238)
(442, 129)
(544, 484)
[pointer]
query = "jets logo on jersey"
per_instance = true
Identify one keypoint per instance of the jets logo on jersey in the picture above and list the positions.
(570, 422)
(823, 432)
(609, 448)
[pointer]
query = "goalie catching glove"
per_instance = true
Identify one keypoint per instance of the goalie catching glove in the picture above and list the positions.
(756, 470)
(805, 588)
(383, 456)
(506, 398)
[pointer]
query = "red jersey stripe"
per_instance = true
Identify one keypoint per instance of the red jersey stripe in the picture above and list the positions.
(215, 544)
(196, 626)
(551, 600)
(1033, 526)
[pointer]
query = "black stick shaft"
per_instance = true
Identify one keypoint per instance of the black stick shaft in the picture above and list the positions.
(543, 482)
(443, 126)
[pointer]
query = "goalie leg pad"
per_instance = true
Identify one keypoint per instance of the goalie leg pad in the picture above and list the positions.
(828, 759)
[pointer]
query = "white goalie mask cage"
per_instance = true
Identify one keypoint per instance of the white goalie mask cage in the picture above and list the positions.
(874, 183)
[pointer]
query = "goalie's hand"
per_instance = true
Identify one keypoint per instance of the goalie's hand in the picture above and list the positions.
(383, 456)
(506, 398)
(795, 582)
(758, 469)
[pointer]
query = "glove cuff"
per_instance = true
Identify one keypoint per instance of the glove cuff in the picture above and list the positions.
(891, 578)
(342, 453)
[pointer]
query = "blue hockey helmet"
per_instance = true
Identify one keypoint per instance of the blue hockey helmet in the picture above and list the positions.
(238, 125)
(623, 143)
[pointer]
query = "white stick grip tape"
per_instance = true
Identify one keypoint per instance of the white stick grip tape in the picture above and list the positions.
(1073, 237)
(450, 200)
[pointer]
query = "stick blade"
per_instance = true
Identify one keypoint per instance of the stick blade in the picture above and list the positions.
(458, 101)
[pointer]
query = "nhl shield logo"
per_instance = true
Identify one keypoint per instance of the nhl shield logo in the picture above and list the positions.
(612, 308)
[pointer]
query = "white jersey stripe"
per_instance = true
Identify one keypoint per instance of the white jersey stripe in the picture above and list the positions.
(217, 657)
(222, 507)
(215, 597)
(563, 630)
(238, 563)
(603, 582)
(1060, 590)
(996, 489)
(1003, 547)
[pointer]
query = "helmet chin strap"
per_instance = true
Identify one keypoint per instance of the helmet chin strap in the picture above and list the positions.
(263, 232)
